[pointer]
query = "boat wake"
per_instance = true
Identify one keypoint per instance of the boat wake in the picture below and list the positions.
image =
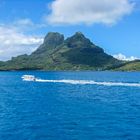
(83, 82)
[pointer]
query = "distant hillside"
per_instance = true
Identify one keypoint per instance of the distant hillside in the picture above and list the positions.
(74, 53)
(129, 66)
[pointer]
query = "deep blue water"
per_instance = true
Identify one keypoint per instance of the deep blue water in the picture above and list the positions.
(60, 111)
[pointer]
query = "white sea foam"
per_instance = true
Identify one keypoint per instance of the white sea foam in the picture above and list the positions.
(89, 82)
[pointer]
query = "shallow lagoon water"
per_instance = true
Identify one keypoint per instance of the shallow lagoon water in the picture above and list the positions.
(65, 111)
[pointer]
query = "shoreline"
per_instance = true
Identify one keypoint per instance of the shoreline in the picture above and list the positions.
(67, 70)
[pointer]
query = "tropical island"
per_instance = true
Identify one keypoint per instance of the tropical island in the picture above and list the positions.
(74, 53)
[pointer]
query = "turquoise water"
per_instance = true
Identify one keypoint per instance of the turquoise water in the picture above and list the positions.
(71, 110)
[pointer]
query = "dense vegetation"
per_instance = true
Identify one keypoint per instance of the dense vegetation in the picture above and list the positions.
(129, 66)
(74, 53)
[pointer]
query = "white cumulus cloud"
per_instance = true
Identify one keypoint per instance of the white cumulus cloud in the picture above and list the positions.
(14, 42)
(88, 11)
(124, 58)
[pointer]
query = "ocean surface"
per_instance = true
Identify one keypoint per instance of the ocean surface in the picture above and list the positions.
(70, 106)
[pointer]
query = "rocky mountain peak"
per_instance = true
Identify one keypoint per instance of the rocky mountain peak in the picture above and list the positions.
(53, 39)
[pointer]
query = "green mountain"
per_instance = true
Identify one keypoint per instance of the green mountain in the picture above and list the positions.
(129, 66)
(56, 53)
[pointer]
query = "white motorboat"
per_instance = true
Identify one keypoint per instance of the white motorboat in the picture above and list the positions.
(28, 78)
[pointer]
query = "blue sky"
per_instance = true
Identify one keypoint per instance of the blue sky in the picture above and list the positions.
(112, 24)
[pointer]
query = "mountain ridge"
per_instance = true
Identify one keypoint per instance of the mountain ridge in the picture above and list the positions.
(56, 53)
